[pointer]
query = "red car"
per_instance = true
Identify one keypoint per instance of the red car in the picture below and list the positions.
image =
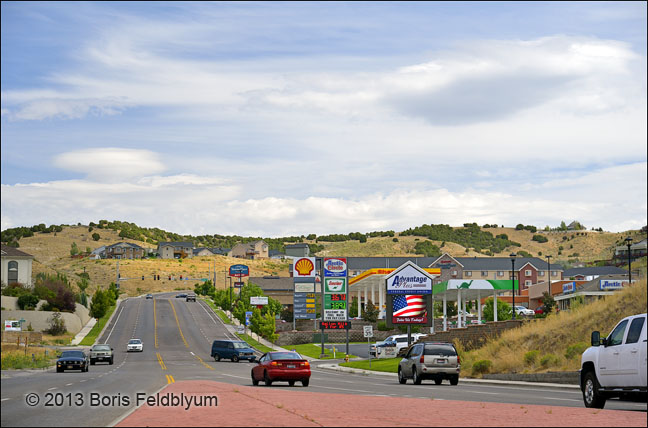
(281, 366)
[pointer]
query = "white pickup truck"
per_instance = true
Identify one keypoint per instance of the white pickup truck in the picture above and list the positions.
(615, 367)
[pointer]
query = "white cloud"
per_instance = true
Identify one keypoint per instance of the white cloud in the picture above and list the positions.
(110, 164)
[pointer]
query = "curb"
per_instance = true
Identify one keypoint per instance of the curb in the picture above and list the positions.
(335, 367)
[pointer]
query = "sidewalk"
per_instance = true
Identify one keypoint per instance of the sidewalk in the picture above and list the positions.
(84, 332)
(201, 403)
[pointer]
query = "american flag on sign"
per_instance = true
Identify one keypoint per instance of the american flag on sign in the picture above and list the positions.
(409, 306)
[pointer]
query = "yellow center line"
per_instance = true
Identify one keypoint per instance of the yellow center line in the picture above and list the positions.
(170, 379)
(204, 363)
(155, 324)
(159, 357)
(175, 314)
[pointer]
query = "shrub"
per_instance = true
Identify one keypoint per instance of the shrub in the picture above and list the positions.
(481, 366)
(575, 350)
(540, 238)
(96, 236)
(382, 326)
(57, 325)
(549, 360)
(15, 289)
(531, 357)
(27, 302)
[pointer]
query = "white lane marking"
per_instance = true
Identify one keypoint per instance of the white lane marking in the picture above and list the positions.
(5, 399)
(343, 389)
(192, 353)
(239, 377)
(52, 389)
(484, 392)
(559, 399)
(68, 384)
(82, 381)
(116, 321)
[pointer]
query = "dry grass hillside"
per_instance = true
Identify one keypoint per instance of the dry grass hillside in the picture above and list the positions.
(551, 338)
(52, 254)
(576, 245)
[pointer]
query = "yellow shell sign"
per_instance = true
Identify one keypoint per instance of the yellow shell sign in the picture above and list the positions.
(305, 267)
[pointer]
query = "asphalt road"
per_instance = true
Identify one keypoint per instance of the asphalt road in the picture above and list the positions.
(177, 338)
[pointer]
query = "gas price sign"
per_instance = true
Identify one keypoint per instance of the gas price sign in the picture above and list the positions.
(335, 301)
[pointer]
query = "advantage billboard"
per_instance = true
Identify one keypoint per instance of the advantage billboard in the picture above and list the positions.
(409, 279)
(409, 309)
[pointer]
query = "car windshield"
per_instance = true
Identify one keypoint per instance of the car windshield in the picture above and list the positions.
(240, 345)
(285, 356)
(446, 351)
(72, 354)
(101, 348)
(134, 342)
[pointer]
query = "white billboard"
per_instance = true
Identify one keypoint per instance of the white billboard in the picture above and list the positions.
(409, 279)
(258, 301)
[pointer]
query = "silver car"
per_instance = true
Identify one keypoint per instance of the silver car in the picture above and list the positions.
(101, 353)
(430, 360)
(135, 345)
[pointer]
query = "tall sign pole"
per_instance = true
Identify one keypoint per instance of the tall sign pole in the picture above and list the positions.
(335, 291)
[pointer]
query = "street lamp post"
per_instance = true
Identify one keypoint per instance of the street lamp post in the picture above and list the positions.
(549, 272)
(628, 242)
(513, 256)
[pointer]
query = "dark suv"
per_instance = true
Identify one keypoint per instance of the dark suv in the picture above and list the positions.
(191, 297)
(430, 360)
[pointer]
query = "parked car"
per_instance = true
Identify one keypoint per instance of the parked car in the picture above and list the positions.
(135, 345)
(191, 297)
(615, 367)
(149, 296)
(73, 360)
(281, 366)
(430, 360)
(400, 339)
(101, 353)
(521, 310)
(235, 350)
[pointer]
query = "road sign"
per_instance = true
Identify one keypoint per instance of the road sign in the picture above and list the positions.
(239, 271)
(258, 301)
(368, 331)
(337, 325)
(304, 267)
(248, 315)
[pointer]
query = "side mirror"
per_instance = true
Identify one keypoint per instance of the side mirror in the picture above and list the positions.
(596, 338)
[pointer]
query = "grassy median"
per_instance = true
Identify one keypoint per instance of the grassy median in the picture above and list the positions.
(218, 311)
(253, 343)
(313, 351)
(380, 365)
(91, 337)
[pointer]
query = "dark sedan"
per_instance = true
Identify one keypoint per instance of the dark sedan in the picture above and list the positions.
(281, 366)
(73, 360)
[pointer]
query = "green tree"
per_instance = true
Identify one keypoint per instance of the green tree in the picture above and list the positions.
(268, 327)
(27, 302)
(503, 310)
(96, 236)
(451, 309)
(100, 304)
(74, 250)
(353, 309)
(256, 321)
(370, 312)
(548, 302)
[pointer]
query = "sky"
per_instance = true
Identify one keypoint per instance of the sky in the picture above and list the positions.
(290, 118)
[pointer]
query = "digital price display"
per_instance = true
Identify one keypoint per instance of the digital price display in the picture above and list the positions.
(335, 301)
(335, 325)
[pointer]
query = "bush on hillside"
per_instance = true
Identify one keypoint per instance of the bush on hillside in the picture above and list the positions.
(481, 366)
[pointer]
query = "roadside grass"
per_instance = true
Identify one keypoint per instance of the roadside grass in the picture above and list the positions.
(253, 343)
(389, 365)
(556, 334)
(222, 315)
(63, 339)
(15, 358)
(90, 339)
(314, 351)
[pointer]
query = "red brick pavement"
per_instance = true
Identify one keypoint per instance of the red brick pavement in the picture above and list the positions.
(283, 406)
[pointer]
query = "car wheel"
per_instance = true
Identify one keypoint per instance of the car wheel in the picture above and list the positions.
(92, 362)
(216, 357)
(254, 381)
(305, 382)
(235, 358)
(291, 383)
(266, 379)
(59, 370)
(591, 395)
(112, 359)
(438, 381)
(454, 380)
(401, 379)
(415, 377)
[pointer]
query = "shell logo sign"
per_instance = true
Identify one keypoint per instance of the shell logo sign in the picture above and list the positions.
(304, 267)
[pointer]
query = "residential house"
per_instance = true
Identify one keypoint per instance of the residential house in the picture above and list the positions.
(297, 250)
(202, 252)
(250, 250)
(16, 266)
(277, 255)
(98, 253)
(124, 250)
(219, 251)
(637, 250)
(175, 250)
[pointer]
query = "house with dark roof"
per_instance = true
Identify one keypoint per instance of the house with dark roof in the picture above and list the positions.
(175, 250)
(202, 252)
(592, 272)
(16, 266)
(124, 250)
(297, 250)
